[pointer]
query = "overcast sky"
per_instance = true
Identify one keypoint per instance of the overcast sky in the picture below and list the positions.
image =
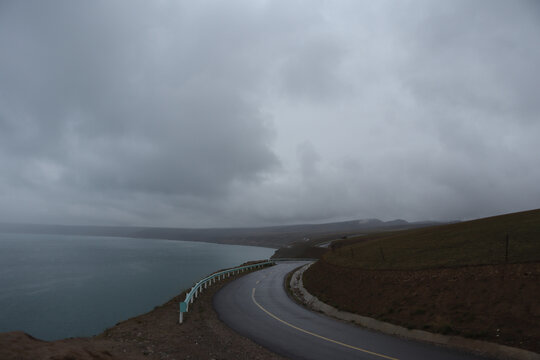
(248, 113)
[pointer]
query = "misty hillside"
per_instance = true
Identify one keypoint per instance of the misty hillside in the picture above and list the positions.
(274, 237)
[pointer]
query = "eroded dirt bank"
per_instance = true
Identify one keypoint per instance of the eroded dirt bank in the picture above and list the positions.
(155, 335)
(497, 303)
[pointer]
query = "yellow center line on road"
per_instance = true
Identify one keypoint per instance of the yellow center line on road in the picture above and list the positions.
(316, 335)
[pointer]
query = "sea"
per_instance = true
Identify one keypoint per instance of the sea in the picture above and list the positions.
(60, 286)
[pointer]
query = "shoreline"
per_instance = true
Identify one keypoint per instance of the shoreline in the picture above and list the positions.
(121, 236)
(62, 286)
(153, 335)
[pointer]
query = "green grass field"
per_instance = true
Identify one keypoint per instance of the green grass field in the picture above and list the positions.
(476, 242)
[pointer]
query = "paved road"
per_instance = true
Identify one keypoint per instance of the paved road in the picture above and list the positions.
(257, 306)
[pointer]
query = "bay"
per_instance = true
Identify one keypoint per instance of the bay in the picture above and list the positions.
(59, 286)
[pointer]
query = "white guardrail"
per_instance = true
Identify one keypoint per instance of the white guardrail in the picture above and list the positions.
(209, 280)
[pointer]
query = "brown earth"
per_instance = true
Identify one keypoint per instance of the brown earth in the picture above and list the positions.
(497, 303)
(155, 335)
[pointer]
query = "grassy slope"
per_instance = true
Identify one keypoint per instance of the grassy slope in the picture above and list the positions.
(474, 242)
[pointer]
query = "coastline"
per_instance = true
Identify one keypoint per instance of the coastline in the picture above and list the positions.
(153, 335)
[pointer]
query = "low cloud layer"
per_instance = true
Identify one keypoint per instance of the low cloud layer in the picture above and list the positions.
(250, 113)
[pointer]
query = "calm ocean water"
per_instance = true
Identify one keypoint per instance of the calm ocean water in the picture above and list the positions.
(58, 286)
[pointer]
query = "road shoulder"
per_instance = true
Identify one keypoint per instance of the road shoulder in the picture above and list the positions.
(483, 348)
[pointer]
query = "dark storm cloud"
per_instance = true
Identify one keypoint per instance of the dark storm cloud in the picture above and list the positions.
(442, 123)
(102, 98)
(249, 113)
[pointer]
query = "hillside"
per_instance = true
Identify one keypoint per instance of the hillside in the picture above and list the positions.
(474, 242)
(453, 279)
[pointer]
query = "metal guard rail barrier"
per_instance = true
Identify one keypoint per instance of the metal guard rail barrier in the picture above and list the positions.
(209, 280)
(294, 259)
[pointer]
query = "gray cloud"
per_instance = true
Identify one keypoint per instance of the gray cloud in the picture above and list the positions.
(312, 71)
(257, 113)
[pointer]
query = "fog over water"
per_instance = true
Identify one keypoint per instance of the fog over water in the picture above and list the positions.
(249, 113)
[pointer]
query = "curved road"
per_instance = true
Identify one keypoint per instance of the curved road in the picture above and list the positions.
(257, 306)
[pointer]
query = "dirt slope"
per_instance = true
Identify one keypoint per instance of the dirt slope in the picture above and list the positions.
(498, 303)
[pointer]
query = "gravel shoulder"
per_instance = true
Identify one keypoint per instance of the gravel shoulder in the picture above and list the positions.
(495, 303)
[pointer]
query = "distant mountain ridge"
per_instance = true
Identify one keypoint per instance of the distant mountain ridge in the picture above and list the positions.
(270, 236)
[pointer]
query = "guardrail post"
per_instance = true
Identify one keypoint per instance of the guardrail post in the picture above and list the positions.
(183, 309)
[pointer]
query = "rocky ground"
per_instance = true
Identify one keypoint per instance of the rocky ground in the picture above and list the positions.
(496, 303)
(155, 335)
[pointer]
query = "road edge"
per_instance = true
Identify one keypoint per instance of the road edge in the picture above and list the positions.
(484, 348)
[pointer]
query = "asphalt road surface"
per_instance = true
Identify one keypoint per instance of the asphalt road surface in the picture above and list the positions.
(257, 306)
